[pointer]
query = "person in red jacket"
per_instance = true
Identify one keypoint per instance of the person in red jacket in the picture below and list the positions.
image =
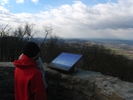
(28, 79)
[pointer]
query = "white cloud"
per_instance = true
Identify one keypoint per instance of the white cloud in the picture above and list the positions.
(109, 20)
(3, 2)
(20, 1)
(3, 10)
(35, 1)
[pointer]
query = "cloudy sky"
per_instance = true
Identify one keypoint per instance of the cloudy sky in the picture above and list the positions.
(72, 18)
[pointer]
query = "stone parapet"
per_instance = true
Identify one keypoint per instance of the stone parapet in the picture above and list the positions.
(83, 85)
(6, 81)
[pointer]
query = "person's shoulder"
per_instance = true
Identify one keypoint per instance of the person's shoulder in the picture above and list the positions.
(36, 74)
(36, 71)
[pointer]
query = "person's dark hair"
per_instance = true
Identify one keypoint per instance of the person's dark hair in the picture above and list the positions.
(30, 49)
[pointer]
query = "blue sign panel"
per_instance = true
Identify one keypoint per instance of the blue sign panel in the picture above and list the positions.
(65, 61)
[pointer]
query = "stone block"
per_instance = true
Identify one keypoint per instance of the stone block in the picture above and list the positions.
(114, 96)
(66, 86)
(99, 95)
(79, 96)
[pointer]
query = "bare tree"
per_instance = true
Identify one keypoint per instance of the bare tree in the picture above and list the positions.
(48, 31)
(26, 31)
(4, 30)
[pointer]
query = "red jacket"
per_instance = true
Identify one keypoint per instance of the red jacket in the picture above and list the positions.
(28, 80)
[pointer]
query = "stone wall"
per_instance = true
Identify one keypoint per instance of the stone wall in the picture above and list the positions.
(83, 85)
(6, 81)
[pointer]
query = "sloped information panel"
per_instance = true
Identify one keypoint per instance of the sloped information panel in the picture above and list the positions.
(65, 61)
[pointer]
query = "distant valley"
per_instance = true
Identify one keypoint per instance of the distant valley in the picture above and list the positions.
(122, 47)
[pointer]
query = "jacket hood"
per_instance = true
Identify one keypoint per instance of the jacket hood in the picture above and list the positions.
(24, 62)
